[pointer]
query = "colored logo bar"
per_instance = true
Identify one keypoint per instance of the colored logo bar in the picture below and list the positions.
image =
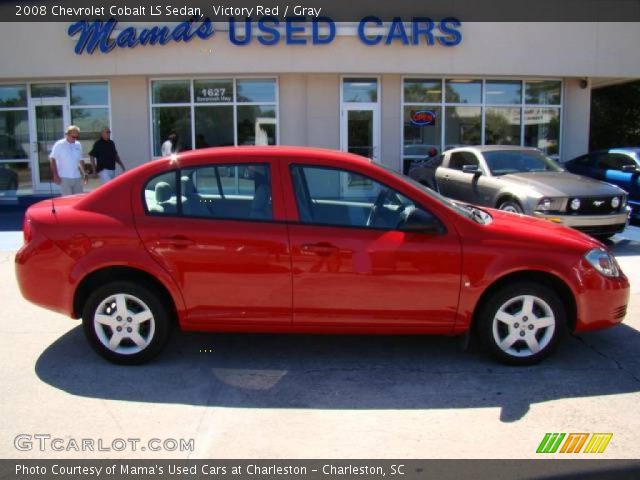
(574, 442)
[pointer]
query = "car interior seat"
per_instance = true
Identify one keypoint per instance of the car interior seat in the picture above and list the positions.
(192, 202)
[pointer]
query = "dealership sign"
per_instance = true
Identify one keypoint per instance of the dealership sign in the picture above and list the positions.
(422, 118)
(269, 30)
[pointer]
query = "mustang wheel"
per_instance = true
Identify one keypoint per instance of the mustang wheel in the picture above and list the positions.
(511, 206)
(520, 324)
(125, 323)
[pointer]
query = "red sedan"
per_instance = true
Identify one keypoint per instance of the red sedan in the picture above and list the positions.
(282, 239)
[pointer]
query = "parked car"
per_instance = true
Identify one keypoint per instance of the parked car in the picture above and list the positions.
(321, 242)
(523, 180)
(620, 166)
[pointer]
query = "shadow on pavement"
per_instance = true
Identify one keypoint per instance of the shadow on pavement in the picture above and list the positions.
(345, 372)
(625, 248)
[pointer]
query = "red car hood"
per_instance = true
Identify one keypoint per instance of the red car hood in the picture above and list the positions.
(516, 226)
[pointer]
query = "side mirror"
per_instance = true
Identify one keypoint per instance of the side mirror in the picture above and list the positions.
(419, 221)
(630, 169)
(472, 169)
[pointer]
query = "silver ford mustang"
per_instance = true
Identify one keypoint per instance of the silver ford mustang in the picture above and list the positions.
(523, 180)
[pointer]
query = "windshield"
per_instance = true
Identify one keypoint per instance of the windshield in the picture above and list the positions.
(465, 210)
(503, 162)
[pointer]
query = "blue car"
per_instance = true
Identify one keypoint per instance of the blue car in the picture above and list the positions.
(620, 166)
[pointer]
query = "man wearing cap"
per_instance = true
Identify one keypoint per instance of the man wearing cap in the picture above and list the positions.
(67, 166)
(104, 157)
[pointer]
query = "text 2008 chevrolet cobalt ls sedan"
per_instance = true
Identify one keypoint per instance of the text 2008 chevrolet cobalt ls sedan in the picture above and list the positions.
(276, 239)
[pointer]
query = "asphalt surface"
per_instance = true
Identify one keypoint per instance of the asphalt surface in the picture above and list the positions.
(281, 396)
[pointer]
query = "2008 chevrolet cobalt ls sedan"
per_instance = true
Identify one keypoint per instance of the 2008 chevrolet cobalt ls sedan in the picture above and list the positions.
(282, 239)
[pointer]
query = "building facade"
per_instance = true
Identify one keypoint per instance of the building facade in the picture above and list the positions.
(379, 94)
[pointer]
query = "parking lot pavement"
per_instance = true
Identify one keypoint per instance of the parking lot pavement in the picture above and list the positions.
(280, 396)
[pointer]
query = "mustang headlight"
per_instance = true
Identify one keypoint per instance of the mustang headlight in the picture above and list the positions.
(603, 262)
(615, 202)
(549, 204)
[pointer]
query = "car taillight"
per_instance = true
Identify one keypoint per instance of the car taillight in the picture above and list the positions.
(26, 229)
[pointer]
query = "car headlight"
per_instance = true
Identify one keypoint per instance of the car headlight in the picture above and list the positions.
(603, 262)
(615, 202)
(550, 204)
(575, 204)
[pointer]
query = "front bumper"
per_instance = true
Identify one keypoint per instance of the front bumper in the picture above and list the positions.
(601, 301)
(591, 224)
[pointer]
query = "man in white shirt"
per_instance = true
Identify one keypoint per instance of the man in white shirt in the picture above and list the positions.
(67, 166)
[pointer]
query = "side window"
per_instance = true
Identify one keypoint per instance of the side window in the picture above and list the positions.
(459, 159)
(233, 191)
(616, 161)
(160, 194)
(323, 197)
(230, 191)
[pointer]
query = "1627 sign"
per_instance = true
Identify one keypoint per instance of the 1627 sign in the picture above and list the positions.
(213, 95)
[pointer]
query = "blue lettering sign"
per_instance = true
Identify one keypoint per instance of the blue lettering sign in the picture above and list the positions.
(98, 34)
(268, 30)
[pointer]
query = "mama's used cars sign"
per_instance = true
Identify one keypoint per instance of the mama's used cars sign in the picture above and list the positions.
(268, 30)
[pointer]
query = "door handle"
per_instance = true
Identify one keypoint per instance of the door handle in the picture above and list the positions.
(177, 241)
(323, 249)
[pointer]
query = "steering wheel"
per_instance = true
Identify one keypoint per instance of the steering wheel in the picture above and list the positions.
(380, 199)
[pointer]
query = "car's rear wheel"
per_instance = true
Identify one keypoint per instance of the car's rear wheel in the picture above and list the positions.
(126, 323)
(520, 324)
(511, 206)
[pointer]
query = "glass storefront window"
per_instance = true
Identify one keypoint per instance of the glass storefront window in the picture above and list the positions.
(257, 125)
(15, 177)
(14, 134)
(359, 90)
(49, 90)
(502, 126)
(213, 91)
(214, 126)
(463, 91)
(171, 91)
(422, 130)
(542, 129)
(91, 121)
(89, 94)
(256, 90)
(463, 126)
(225, 112)
(13, 96)
(422, 91)
(171, 119)
(503, 92)
(542, 92)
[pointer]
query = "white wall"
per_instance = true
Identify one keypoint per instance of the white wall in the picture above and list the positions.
(30, 50)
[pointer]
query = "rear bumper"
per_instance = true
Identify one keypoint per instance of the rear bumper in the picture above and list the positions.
(39, 267)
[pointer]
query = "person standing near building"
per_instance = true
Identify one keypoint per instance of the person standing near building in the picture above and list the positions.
(67, 166)
(170, 145)
(104, 157)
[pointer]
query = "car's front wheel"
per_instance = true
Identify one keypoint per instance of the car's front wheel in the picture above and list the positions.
(125, 322)
(520, 324)
(511, 206)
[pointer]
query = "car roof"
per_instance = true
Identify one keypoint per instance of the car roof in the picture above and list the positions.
(492, 148)
(277, 151)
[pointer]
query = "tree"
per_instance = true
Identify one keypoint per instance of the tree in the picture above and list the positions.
(615, 116)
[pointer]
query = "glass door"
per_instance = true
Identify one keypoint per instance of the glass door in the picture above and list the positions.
(360, 136)
(49, 120)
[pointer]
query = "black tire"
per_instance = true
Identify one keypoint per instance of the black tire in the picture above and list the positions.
(136, 342)
(511, 206)
(533, 318)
